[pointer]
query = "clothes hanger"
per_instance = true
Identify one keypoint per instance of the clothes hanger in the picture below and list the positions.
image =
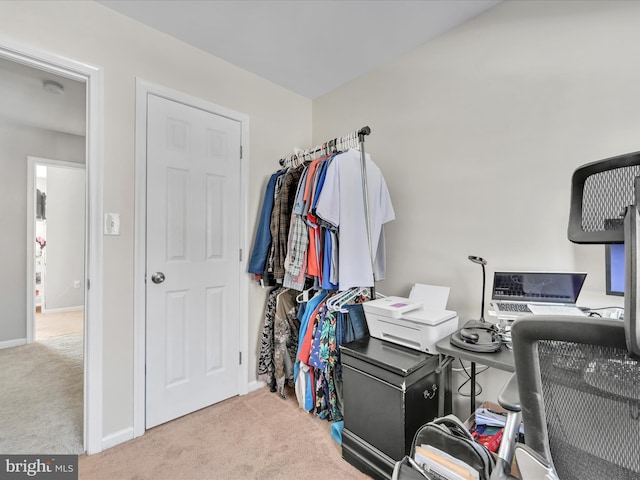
(297, 153)
(358, 292)
(330, 302)
(312, 152)
(350, 140)
(337, 302)
(303, 296)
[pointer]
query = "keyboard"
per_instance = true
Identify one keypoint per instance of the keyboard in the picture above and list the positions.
(514, 307)
(555, 310)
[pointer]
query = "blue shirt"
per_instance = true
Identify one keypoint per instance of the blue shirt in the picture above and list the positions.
(262, 241)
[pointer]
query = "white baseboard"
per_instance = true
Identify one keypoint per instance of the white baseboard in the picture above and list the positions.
(255, 385)
(117, 438)
(18, 342)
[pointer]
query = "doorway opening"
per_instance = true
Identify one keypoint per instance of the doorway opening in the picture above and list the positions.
(18, 123)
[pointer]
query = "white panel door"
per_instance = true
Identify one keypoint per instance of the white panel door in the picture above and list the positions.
(193, 265)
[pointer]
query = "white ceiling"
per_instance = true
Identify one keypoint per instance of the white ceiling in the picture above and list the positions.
(308, 46)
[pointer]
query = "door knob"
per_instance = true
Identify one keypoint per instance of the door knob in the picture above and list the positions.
(157, 277)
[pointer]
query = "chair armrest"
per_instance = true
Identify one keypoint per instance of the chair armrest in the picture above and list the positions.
(509, 398)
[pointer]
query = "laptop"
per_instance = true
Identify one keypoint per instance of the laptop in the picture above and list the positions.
(539, 293)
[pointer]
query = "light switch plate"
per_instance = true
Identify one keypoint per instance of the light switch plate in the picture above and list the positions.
(112, 224)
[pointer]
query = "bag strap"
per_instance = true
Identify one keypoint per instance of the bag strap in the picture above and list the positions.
(454, 423)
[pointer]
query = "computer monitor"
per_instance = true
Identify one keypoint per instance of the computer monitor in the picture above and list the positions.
(614, 260)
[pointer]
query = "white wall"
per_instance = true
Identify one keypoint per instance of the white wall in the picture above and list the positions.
(478, 133)
(16, 144)
(65, 238)
(88, 32)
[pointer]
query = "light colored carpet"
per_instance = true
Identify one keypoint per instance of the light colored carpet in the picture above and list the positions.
(41, 397)
(256, 436)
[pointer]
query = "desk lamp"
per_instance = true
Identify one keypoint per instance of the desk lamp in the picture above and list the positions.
(481, 321)
(477, 335)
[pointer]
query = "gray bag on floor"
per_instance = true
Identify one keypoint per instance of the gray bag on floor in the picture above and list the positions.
(451, 436)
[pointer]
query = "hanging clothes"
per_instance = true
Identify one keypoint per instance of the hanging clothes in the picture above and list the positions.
(266, 366)
(317, 226)
(312, 231)
(328, 355)
(318, 372)
(313, 268)
(295, 264)
(281, 221)
(329, 278)
(302, 374)
(285, 339)
(262, 240)
(341, 203)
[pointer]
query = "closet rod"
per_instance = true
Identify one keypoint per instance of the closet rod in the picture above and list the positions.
(360, 134)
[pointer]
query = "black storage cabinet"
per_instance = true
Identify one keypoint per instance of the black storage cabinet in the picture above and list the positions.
(389, 392)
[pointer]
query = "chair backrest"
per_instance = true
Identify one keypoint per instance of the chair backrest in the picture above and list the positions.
(604, 209)
(580, 395)
(600, 193)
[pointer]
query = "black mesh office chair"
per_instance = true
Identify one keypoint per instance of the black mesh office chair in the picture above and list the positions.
(578, 378)
(580, 399)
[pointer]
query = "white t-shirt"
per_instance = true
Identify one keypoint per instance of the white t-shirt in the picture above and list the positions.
(341, 203)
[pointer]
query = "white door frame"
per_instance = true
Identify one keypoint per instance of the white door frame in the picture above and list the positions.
(93, 78)
(143, 89)
(31, 222)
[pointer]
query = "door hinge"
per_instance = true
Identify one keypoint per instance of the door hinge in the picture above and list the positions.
(240, 254)
(240, 151)
(239, 358)
(88, 284)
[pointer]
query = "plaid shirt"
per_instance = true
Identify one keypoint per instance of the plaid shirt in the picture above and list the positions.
(281, 219)
(295, 264)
